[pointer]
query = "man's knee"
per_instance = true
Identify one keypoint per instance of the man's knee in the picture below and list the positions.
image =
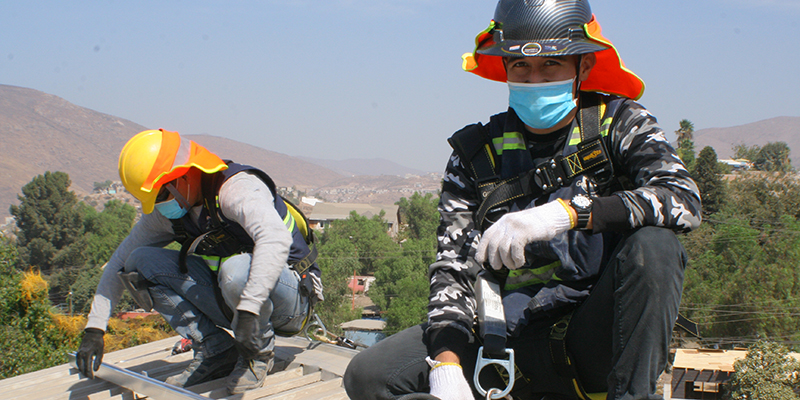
(143, 259)
(358, 377)
(653, 254)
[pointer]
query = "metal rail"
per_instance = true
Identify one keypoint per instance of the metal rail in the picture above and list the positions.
(140, 383)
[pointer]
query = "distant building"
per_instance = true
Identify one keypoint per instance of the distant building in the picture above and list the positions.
(739, 164)
(324, 213)
(699, 373)
(364, 332)
(360, 284)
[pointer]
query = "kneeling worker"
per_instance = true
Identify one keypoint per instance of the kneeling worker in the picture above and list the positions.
(239, 267)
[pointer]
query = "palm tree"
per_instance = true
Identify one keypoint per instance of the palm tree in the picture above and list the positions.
(685, 132)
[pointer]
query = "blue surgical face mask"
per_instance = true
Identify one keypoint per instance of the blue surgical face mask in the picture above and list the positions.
(541, 105)
(171, 209)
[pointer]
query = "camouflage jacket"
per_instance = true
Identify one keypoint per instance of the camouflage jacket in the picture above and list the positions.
(659, 192)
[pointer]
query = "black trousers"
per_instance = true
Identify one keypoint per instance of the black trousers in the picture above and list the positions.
(618, 338)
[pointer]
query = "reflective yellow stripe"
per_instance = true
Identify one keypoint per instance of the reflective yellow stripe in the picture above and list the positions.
(288, 220)
(509, 141)
(576, 132)
(525, 277)
(575, 138)
(214, 262)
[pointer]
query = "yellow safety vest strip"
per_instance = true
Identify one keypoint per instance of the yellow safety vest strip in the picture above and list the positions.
(509, 141)
(214, 262)
(519, 278)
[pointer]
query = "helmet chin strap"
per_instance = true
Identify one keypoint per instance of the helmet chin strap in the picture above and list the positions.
(178, 196)
(578, 77)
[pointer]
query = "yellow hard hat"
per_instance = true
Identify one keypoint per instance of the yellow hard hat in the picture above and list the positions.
(154, 157)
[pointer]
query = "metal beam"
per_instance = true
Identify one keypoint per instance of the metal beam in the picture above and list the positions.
(140, 383)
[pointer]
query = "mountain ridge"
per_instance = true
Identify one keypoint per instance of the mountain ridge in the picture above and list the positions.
(42, 132)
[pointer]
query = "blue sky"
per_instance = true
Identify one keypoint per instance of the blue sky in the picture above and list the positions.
(342, 79)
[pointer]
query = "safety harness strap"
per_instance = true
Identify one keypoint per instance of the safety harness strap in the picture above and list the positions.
(560, 357)
(472, 145)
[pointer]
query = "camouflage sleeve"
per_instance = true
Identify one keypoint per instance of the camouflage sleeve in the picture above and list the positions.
(665, 193)
(452, 301)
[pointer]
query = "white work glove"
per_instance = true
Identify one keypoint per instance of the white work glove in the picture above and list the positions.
(448, 382)
(504, 242)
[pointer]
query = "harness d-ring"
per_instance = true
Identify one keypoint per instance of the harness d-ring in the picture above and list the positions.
(508, 364)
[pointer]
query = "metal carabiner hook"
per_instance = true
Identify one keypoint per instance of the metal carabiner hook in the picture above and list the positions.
(507, 364)
(492, 391)
(319, 330)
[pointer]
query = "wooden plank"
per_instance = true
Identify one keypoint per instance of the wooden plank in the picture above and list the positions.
(307, 392)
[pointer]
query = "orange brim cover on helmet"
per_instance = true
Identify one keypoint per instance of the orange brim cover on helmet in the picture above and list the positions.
(175, 158)
(609, 74)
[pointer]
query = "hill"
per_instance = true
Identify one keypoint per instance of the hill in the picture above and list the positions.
(778, 129)
(41, 132)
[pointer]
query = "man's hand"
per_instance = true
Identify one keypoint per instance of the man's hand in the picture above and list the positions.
(448, 382)
(247, 335)
(90, 354)
(504, 242)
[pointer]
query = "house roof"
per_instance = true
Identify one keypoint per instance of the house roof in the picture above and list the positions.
(303, 370)
(364, 325)
(711, 359)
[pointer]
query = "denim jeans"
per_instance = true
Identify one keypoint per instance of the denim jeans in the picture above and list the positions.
(189, 304)
(618, 338)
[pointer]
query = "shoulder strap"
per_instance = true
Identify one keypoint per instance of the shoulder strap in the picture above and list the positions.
(590, 116)
(308, 234)
(474, 148)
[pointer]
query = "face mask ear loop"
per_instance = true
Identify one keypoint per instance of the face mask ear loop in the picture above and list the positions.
(178, 196)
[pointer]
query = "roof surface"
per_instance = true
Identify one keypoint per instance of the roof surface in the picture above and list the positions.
(303, 370)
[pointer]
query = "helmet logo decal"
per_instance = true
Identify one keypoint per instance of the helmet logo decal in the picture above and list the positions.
(531, 49)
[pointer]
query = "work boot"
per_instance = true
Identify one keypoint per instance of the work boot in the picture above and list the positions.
(250, 374)
(204, 369)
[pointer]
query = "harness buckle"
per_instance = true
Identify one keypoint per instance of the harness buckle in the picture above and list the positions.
(549, 176)
(507, 364)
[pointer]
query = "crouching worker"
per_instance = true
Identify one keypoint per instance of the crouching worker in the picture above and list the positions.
(244, 265)
(570, 201)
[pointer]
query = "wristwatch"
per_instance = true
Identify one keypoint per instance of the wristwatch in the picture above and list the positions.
(582, 204)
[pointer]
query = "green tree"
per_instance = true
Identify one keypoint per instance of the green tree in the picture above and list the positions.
(708, 176)
(103, 185)
(742, 275)
(49, 222)
(401, 286)
(768, 372)
(747, 152)
(686, 153)
(107, 229)
(774, 157)
(420, 215)
(360, 245)
(686, 130)
(29, 339)
(354, 246)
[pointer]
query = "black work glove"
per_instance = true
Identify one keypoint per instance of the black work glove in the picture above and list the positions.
(91, 348)
(247, 334)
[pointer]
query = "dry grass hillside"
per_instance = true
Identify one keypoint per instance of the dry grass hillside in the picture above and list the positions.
(42, 132)
(778, 129)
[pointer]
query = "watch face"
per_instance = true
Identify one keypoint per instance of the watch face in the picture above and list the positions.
(581, 201)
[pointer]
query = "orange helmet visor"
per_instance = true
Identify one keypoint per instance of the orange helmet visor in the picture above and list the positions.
(609, 74)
